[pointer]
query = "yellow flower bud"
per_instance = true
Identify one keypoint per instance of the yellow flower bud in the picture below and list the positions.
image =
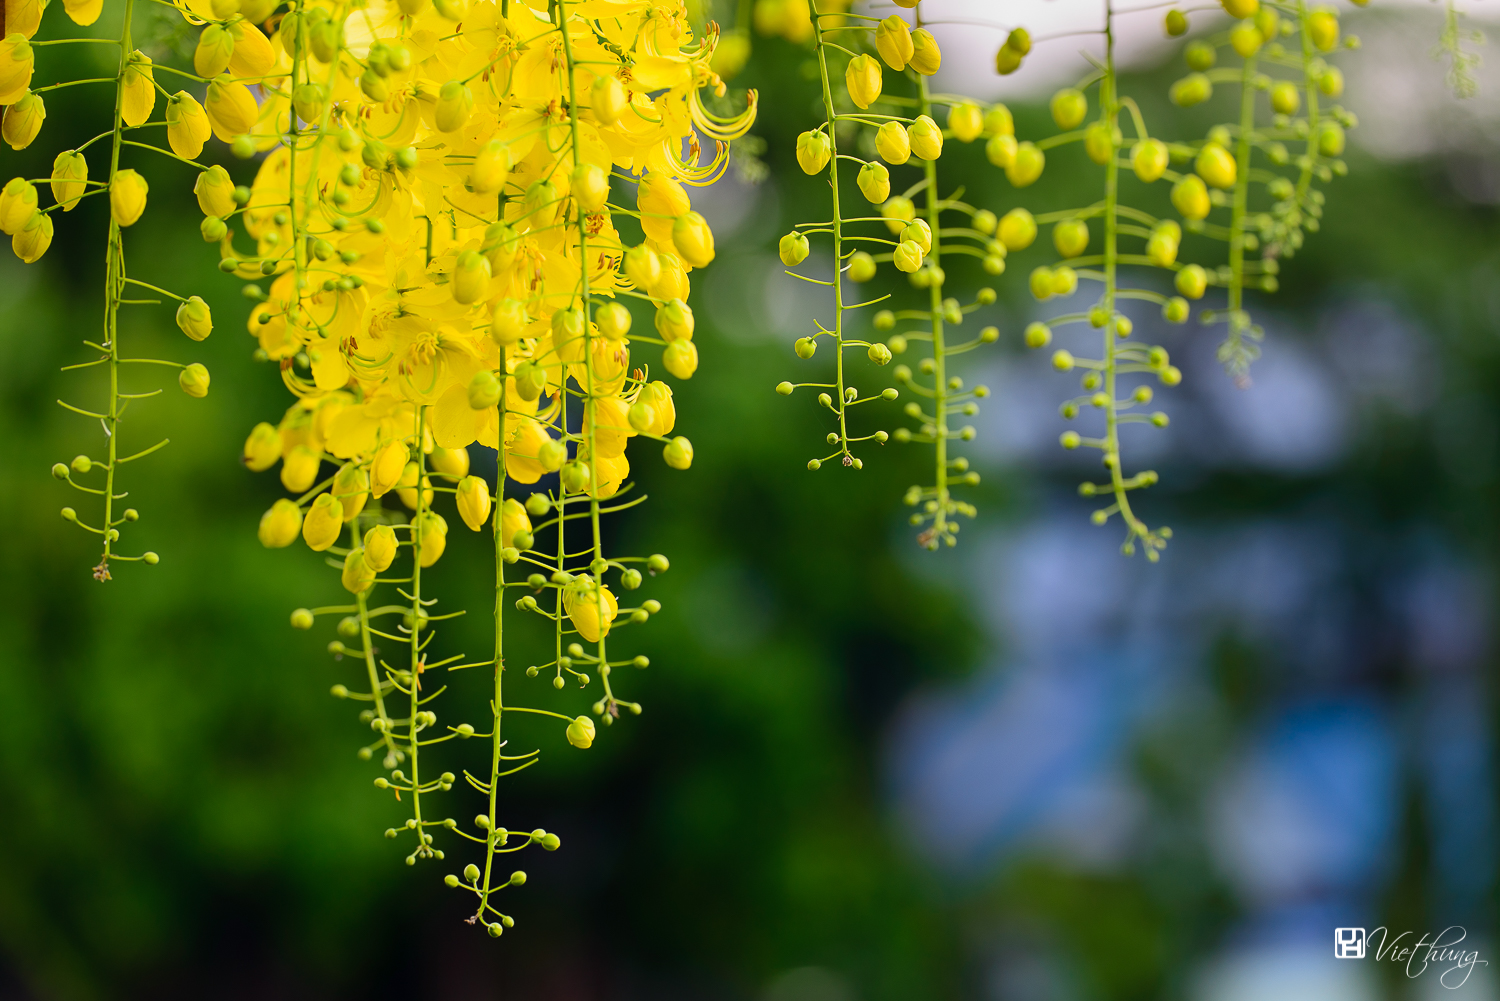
(653, 411)
(678, 453)
(673, 283)
(231, 110)
(965, 121)
(471, 277)
(813, 151)
(539, 207)
(985, 222)
(861, 267)
(308, 100)
(1285, 98)
(262, 447)
(1069, 107)
(450, 462)
(31, 241)
(324, 522)
(215, 46)
(23, 120)
(1099, 142)
(1071, 237)
(1331, 82)
(908, 256)
(591, 607)
(513, 520)
(195, 319)
(693, 239)
(508, 321)
(431, 533)
(1001, 151)
(1323, 28)
(501, 245)
(918, 232)
(279, 526)
(1192, 281)
(568, 334)
(474, 501)
(614, 321)
(1190, 197)
(299, 468)
(1064, 281)
(17, 205)
(491, 167)
(127, 197)
(253, 55)
(484, 390)
(1026, 166)
(406, 487)
(1331, 139)
(875, 182)
(351, 485)
(897, 212)
(893, 42)
(215, 191)
(187, 125)
(926, 138)
(580, 732)
(358, 576)
(1163, 243)
(1017, 229)
(607, 99)
(674, 321)
(1215, 165)
(455, 102)
(1149, 158)
(69, 172)
(380, 548)
(193, 380)
(864, 80)
(591, 186)
(642, 267)
(926, 57)
(16, 63)
(1195, 88)
(681, 359)
(139, 89)
(892, 143)
(83, 12)
(1241, 9)
(1245, 39)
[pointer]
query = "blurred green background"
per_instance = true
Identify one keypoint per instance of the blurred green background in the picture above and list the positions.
(185, 814)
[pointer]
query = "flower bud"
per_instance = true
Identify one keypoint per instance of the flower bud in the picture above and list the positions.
(431, 534)
(484, 390)
(473, 500)
(1176, 23)
(574, 476)
(279, 526)
(813, 151)
(1064, 281)
(1215, 165)
(387, 468)
(299, 468)
(1323, 28)
(892, 143)
(1331, 81)
(262, 447)
(1245, 39)
(1176, 310)
(515, 526)
(581, 732)
(1190, 197)
(215, 191)
(194, 378)
(893, 42)
(1162, 249)
(1008, 57)
(406, 487)
(674, 321)
(861, 267)
(1026, 166)
(864, 80)
(1001, 151)
(926, 57)
(897, 212)
(194, 318)
(1330, 139)
(908, 256)
(471, 277)
(1240, 9)
(508, 322)
(582, 599)
(455, 102)
(17, 205)
(613, 321)
(607, 99)
(232, 112)
(380, 548)
(1071, 237)
(17, 60)
(965, 121)
(215, 46)
(552, 454)
(693, 239)
(302, 618)
(374, 87)
(1149, 159)
(1192, 281)
(1017, 229)
(926, 138)
(681, 359)
(1069, 107)
(1038, 335)
(358, 576)
(879, 354)
(1042, 282)
(31, 241)
(324, 522)
(127, 197)
(1195, 88)
(590, 185)
(187, 125)
(23, 120)
(874, 183)
(642, 267)
(309, 100)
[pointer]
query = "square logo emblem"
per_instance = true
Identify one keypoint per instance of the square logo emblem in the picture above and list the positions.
(1349, 943)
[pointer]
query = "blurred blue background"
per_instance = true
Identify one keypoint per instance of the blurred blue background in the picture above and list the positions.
(1027, 769)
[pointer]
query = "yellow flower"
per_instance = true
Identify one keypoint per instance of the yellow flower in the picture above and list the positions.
(215, 47)
(69, 172)
(262, 447)
(195, 319)
(215, 191)
(279, 526)
(926, 57)
(16, 64)
(864, 80)
(608, 424)
(139, 89)
(380, 548)
(324, 522)
(83, 12)
(813, 151)
(893, 42)
(127, 197)
(892, 143)
(681, 359)
(965, 121)
(232, 111)
(351, 485)
(23, 120)
(1215, 165)
(653, 411)
(299, 468)
(31, 241)
(514, 521)
(582, 599)
(23, 16)
(926, 138)
(358, 575)
(693, 239)
(187, 125)
(473, 501)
